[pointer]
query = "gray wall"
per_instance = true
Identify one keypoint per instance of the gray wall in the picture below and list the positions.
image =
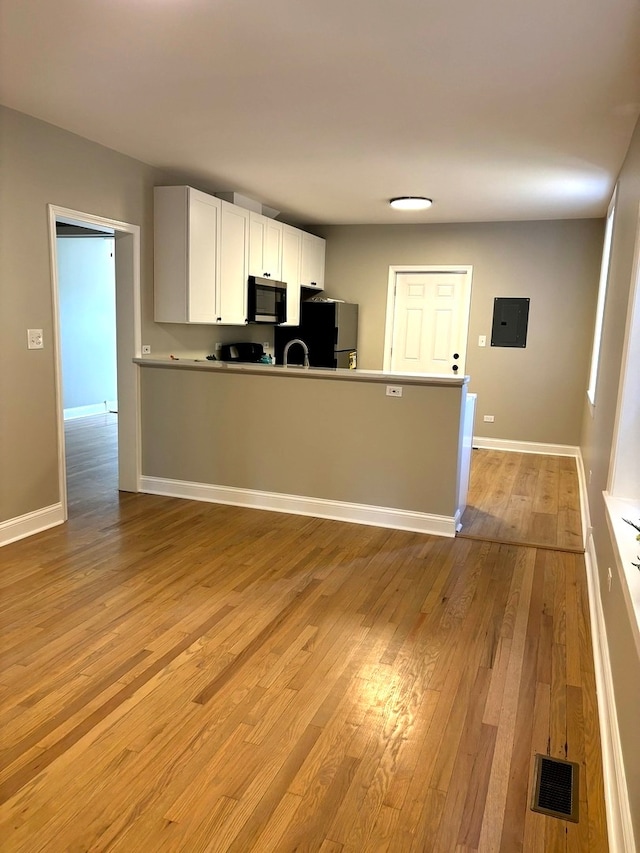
(322, 438)
(596, 441)
(87, 295)
(42, 164)
(536, 394)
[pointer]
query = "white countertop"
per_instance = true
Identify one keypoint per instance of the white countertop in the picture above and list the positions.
(305, 372)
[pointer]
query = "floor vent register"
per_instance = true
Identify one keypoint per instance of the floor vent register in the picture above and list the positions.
(555, 787)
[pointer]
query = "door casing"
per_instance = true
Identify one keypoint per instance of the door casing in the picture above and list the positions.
(129, 337)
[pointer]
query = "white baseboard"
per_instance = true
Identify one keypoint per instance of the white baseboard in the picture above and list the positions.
(32, 522)
(399, 519)
(525, 446)
(616, 794)
(93, 409)
(585, 517)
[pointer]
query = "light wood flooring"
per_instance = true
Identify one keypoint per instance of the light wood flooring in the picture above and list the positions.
(525, 498)
(182, 676)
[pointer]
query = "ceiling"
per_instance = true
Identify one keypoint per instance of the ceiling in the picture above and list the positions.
(499, 110)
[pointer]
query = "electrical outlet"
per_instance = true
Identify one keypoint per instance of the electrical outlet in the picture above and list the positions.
(146, 349)
(609, 578)
(482, 340)
(35, 339)
(266, 345)
(394, 391)
(217, 347)
(489, 419)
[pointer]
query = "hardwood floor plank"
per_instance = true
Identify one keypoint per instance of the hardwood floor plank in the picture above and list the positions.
(266, 812)
(593, 776)
(381, 834)
(279, 823)
(572, 635)
(517, 795)
(475, 803)
(493, 704)
(493, 821)
(558, 725)
(427, 818)
(318, 808)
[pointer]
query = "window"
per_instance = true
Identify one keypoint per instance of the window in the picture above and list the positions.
(622, 498)
(602, 290)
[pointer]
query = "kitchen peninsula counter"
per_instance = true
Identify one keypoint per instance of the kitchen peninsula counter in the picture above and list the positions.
(306, 372)
(324, 442)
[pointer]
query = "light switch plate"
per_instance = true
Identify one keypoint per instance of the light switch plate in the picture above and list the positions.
(482, 340)
(394, 391)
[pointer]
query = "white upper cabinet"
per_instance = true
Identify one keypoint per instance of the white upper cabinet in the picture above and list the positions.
(206, 248)
(291, 267)
(186, 231)
(233, 271)
(312, 269)
(265, 247)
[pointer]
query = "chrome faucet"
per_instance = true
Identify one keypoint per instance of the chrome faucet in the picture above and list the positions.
(304, 347)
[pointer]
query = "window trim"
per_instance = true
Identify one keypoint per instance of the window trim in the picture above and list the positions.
(623, 481)
(622, 498)
(602, 293)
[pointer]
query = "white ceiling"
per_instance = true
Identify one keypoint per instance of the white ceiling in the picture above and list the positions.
(324, 109)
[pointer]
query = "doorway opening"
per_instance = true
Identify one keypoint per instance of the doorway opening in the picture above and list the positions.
(427, 319)
(87, 294)
(127, 336)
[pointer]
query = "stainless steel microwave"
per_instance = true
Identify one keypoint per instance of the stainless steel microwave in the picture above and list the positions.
(267, 300)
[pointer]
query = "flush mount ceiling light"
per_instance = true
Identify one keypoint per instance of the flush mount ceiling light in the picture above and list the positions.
(410, 202)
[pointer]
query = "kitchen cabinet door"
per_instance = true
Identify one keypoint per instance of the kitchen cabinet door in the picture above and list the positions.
(233, 265)
(273, 249)
(313, 252)
(257, 240)
(291, 267)
(265, 247)
(186, 232)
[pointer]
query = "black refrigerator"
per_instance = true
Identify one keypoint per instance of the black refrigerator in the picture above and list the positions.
(330, 331)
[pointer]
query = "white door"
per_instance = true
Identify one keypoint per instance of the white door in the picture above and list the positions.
(430, 321)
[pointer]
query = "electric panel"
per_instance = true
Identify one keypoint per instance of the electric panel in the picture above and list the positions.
(510, 322)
